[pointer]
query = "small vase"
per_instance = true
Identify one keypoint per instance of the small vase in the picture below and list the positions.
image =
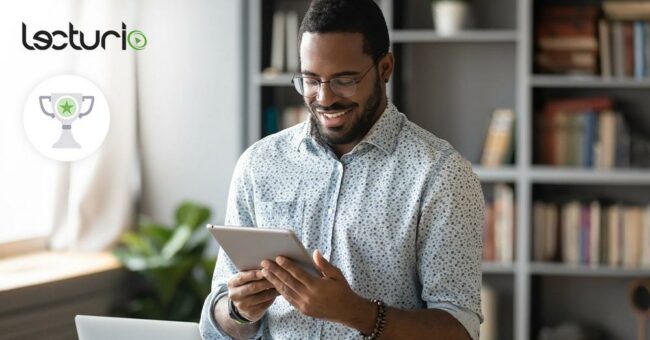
(449, 16)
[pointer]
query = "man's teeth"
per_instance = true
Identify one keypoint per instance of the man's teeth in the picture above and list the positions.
(335, 114)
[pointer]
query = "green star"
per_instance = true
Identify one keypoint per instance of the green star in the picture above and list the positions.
(66, 107)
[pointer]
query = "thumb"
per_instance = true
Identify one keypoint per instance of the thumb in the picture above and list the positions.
(325, 267)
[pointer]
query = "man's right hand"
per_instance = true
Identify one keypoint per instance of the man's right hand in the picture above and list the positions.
(251, 294)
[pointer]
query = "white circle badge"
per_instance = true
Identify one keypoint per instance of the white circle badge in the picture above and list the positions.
(66, 118)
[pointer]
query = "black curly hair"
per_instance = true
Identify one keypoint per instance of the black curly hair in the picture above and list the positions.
(349, 16)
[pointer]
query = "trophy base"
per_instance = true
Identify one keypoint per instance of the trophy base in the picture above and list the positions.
(66, 141)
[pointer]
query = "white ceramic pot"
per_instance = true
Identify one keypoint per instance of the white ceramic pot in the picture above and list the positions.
(449, 16)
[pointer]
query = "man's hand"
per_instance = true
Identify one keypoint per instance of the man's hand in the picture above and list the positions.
(251, 294)
(329, 297)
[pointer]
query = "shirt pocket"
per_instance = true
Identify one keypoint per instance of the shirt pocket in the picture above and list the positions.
(280, 215)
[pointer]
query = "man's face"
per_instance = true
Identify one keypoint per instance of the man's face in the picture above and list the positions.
(341, 121)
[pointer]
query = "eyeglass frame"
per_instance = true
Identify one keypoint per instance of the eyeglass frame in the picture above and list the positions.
(320, 83)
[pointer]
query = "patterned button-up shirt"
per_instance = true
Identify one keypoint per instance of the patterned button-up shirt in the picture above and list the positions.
(400, 215)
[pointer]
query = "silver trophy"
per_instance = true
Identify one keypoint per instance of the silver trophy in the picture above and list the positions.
(66, 108)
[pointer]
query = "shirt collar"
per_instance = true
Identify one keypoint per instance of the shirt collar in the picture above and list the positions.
(382, 135)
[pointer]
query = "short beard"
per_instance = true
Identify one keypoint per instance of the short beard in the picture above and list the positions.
(365, 122)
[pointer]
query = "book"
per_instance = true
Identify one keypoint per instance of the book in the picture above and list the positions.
(569, 44)
(614, 235)
(499, 141)
(646, 44)
(645, 238)
(605, 46)
(551, 229)
(277, 44)
(292, 42)
(594, 233)
(606, 139)
(628, 42)
(618, 49)
(585, 235)
(632, 236)
(488, 234)
(293, 115)
(504, 223)
(627, 10)
(639, 50)
(567, 62)
(622, 143)
(571, 232)
(539, 232)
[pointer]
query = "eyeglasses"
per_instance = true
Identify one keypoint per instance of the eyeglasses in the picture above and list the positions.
(341, 86)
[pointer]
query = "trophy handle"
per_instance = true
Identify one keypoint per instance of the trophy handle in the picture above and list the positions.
(40, 101)
(92, 102)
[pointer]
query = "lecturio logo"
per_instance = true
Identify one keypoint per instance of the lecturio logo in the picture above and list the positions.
(43, 40)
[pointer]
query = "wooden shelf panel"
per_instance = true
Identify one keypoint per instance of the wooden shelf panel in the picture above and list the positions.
(282, 79)
(504, 174)
(562, 269)
(564, 81)
(497, 268)
(553, 175)
(473, 36)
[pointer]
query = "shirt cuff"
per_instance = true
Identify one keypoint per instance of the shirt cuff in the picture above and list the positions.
(467, 318)
(210, 328)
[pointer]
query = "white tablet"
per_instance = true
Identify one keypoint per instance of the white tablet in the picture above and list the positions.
(247, 247)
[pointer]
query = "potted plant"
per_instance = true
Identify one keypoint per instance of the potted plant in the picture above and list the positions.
(170, 271)
(449, 16)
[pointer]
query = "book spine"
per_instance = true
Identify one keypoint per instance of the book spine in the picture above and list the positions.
(639, 50)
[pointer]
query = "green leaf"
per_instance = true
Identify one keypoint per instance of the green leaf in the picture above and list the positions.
(133, 262)
(192, 214)
(158, 234)
(137, 244)
(181, 235)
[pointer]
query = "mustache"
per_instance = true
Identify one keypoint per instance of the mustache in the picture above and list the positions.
(333, 107)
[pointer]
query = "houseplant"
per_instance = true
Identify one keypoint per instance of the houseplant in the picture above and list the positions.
(169, 268)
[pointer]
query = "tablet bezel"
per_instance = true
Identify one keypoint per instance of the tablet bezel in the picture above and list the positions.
(247, 247)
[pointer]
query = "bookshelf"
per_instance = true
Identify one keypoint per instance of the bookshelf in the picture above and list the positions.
(493, 65)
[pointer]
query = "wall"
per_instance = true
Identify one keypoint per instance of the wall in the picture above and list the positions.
(190, 90)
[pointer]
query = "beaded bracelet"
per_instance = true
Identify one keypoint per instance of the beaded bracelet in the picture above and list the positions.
(379, 324)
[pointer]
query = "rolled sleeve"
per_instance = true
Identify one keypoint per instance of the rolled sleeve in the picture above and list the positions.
(239, 212)
(449, 243)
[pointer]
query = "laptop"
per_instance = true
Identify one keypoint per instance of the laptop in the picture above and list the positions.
(109, 328)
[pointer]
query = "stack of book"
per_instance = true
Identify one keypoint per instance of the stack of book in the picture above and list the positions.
(592, 234)
(587, 132)
(499, 142)
(567, 40)
(284, 43)
(499, 231)
(625, 39)
(275, 120)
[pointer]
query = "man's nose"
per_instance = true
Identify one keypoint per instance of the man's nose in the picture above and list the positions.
(326, 96)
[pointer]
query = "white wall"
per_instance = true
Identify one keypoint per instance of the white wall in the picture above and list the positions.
(190, 90)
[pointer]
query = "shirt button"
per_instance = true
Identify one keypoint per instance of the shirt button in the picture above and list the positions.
(329, 211)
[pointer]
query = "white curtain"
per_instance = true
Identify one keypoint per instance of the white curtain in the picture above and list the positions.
(85, 204)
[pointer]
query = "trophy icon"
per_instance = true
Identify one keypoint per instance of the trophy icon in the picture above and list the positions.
(66, 107)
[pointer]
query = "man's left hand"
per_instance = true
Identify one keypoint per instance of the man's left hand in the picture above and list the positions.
(329, 297)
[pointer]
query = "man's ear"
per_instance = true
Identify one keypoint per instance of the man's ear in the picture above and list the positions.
(386, 64)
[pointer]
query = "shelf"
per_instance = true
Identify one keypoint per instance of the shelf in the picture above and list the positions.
(587, 82)
(552, 175)
(562, 269)
(282, 79)
(505, 174)
(430, 36)
(497, 268)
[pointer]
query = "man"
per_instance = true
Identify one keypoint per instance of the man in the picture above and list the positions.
(394, 213)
